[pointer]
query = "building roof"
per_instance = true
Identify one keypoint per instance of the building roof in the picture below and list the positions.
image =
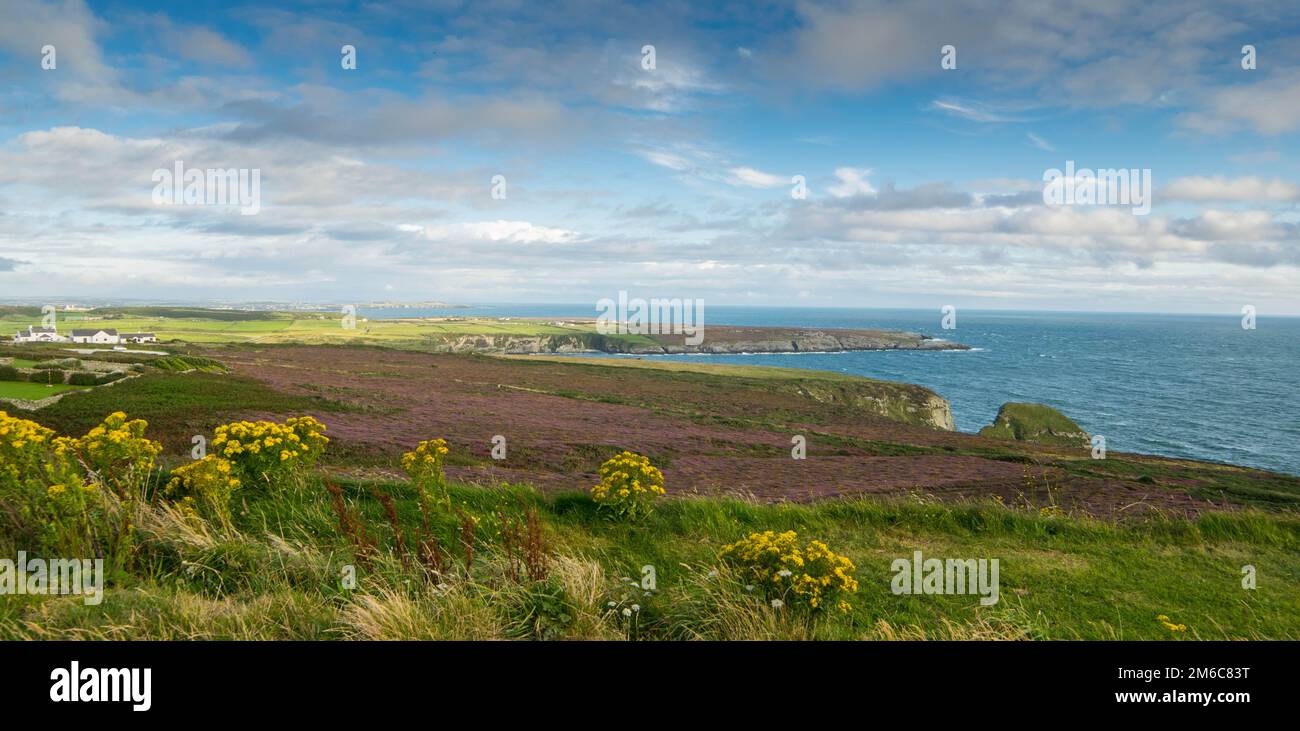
(88, 333)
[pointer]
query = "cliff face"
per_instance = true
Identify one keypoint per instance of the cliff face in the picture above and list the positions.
(812, 341)
(1036, 423)
(903, 402)
(514, 344)
(719, 340)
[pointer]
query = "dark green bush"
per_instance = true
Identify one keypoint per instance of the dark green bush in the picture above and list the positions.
(83, 378)
(110, 377)
(9, 373)
(180, 363)
(47, 376)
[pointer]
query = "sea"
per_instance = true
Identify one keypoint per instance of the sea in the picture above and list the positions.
(1198, 386)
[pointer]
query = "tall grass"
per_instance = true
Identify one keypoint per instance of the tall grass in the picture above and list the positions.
(513, 564)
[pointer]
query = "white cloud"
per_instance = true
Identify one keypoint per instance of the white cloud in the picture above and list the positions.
(520, 232)
(69, 26)
(1041, 143)
(1271, 107)
(852, 181)
(756, 178)
(971, 111)
(667, 160)
(1219, 188)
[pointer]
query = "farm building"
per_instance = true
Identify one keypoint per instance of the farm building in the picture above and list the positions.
(99, 337)
(35, 334)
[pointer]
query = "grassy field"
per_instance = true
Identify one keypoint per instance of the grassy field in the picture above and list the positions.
(277, 574)
(176, 405)
(217, 326)
(34, 391)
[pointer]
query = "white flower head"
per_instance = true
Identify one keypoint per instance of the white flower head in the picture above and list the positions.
(785, 573)
(636, 607)
(749, 587)
(777, 604)
(627, 612)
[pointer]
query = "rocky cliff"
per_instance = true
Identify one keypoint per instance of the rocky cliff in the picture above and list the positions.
(1036, 423)
(903, 402)
(717, 340)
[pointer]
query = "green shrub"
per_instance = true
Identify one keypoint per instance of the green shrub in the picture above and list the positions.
(9, 373)
(83, 378)
(188, 363)
(47, 376)
(109, 377)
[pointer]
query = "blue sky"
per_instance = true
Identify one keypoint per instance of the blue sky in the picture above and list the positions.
(924, 184)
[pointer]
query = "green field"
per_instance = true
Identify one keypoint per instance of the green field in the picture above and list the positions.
(176, 405)
(218, 326)
(34, 391)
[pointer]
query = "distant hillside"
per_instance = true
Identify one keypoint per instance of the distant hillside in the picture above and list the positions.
(198, 313)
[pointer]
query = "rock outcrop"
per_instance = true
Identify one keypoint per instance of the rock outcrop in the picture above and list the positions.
(1036, 423)
(903, 402)
(717, 340)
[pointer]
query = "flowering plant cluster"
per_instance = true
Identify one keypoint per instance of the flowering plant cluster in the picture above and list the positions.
(204, 487)
(25, 448)
(117, 451)
(265, 449)
(811, 575)
(629, 484)
(425, 466)
(54, 484)
(626, 610)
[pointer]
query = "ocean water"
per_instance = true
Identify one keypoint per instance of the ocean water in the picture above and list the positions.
(1180, 385)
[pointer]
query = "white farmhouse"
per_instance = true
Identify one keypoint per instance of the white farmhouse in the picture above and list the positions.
(138, 338)
(98, 337)
(36, 334)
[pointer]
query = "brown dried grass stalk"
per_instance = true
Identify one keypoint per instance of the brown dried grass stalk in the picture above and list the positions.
(351, 524)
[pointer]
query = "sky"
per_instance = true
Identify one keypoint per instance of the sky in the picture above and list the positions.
(566, 151)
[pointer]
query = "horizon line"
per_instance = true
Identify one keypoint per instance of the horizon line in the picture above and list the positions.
(26, 302)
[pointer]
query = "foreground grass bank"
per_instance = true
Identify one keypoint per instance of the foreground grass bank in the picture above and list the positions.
(281, 571)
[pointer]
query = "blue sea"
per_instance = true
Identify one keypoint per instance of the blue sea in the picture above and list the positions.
(1195, 386)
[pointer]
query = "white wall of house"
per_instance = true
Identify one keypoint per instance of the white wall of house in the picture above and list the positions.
(38, 337)
(99, 338)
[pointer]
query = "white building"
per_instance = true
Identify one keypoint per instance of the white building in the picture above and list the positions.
(98, 337)
(106, 336)
(36, 334)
